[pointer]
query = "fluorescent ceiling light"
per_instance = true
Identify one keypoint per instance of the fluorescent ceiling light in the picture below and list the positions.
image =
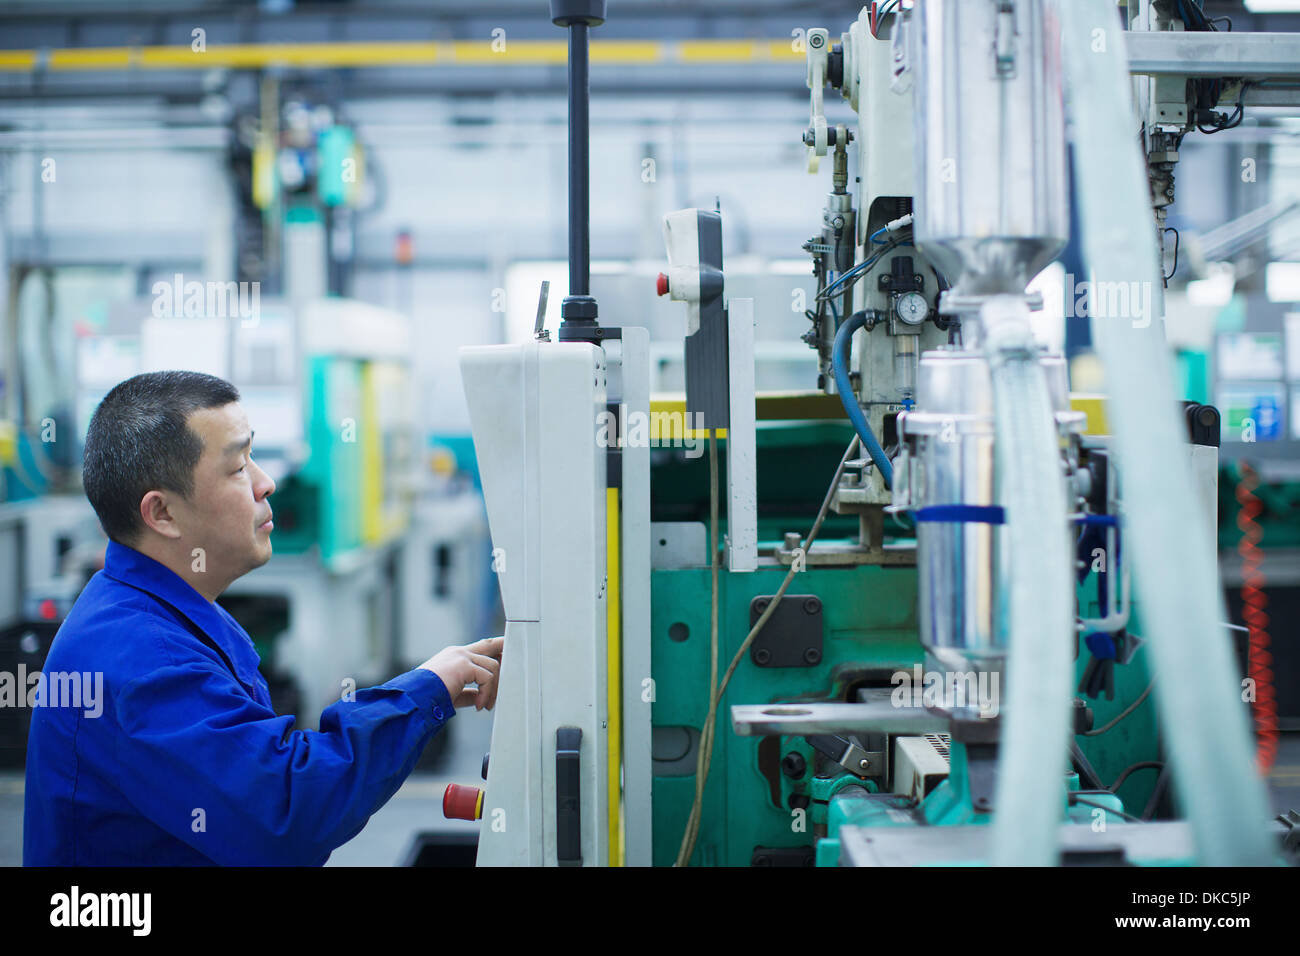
(1273, 6)
(790, 267)
(1282, 281)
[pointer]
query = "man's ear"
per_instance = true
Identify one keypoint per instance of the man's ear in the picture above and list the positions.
(157, 516)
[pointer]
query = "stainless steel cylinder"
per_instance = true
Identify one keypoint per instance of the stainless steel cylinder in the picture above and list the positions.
(950, 447)
(991, 207)
(950, 465)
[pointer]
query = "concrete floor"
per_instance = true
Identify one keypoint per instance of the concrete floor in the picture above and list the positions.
(417, 806)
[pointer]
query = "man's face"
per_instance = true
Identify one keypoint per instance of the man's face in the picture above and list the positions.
(228, 515)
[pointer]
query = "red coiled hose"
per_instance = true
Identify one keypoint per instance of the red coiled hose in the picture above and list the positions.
(1254, 602)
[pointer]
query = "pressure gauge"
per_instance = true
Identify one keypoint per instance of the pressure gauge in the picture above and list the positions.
(911, 308)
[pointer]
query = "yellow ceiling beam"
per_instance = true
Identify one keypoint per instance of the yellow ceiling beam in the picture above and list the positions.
(469, 53)
(22, 60)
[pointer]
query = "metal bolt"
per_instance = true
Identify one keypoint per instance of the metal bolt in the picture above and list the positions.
(762, 655)
(812, 605)
(812, 655)
(864, 763)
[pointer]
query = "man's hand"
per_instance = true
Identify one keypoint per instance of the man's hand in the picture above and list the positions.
(478, 663)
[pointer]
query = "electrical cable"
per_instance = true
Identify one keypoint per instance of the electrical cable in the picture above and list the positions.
(1128, 771)
(1208, 89)
(1199, 22)
(1086, 772)
(1162, 782)
(856, 272)
(1237, 115)
(1254, 604)
(705, 756)
(1174, 269)
(848, 275)
(1122, 714)
(877, 12)
(1119, 813)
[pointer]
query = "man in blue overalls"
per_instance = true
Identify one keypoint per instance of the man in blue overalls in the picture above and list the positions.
(182, 761)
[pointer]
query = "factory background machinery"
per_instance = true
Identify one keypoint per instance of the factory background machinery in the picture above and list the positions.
(961, 680)
(853, 307)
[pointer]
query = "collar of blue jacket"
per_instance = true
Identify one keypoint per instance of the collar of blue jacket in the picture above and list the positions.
(212, 624)
(144, 573)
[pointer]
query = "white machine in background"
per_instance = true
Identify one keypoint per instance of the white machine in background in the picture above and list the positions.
(443, 575)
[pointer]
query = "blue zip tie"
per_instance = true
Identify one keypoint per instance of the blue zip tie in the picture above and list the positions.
(962, 514)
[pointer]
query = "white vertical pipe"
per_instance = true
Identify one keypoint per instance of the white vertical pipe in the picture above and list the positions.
(634, 577)
(1036, 580)
(1167, 534)
(742, 463)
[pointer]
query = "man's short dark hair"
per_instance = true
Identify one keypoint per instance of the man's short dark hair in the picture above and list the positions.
(138, 441)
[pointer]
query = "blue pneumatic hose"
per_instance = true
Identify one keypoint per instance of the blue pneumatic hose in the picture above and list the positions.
(840, 364)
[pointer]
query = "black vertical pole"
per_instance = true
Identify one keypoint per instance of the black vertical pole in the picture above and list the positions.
(579, 163)
(579, 308)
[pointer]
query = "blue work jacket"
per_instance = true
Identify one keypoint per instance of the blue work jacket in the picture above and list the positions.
(181, 760)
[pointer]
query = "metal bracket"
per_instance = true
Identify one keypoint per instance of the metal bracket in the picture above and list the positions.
(849, 753)
(981, 773)
(817, 42)
(801, 719)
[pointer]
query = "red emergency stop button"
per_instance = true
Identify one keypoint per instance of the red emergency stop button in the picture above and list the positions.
(661, 284)
(462, 803)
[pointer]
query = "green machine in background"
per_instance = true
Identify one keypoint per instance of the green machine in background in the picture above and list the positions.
(322, 500)
(345, 484)
(779, 800)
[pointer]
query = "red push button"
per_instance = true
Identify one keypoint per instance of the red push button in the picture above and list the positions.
(462, 803)
(661, 284)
